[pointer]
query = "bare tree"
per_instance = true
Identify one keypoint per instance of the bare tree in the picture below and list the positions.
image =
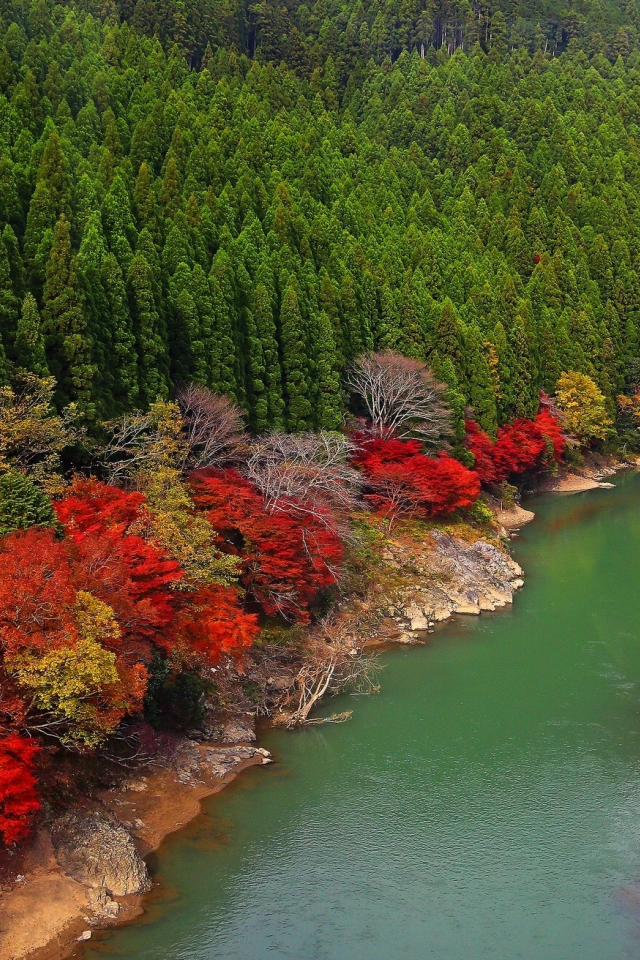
(402, 397)
(201, 429)
(306, 473)
(213, 425)
(334, 662)
(143, 442)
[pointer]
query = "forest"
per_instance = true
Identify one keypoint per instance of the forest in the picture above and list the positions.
(267, 271)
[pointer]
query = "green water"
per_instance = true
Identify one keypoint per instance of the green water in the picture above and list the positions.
(484, 806)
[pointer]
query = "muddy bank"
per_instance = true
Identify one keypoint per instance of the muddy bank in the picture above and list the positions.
(67, 890)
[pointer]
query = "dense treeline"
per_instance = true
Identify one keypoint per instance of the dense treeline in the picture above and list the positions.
(305, 34)
(253, 230)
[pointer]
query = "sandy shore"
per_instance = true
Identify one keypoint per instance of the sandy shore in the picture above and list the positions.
(512, 518)
(592, 476)
(574, 483)
(45, 915)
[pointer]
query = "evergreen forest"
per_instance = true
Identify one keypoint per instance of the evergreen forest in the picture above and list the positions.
(174, 210)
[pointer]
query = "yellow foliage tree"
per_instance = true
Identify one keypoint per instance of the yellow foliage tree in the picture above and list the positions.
(78, 686)
(32, 434)
(149, 451)
(143, 442)
(582, 407)
(171, 520)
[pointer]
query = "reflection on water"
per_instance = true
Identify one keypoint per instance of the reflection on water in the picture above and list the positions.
(485, 806)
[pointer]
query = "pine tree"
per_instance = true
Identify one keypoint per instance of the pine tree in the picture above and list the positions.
(149, 331)
(91, 256)
(125, 361)
(50, 200)
(65, 326)
(29, 346)
(256, 370)
(328, 400)
(9, 303)
(448, 336)
(262, 313)
(229, 333)
(294, 363)
(187, 349)
(223, 360)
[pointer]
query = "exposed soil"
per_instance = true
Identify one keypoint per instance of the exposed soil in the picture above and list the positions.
(46, 912)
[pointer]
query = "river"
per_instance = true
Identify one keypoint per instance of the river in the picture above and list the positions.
(484, 806)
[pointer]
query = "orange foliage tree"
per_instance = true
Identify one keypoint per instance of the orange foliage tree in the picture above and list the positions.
(18, 795)
(286, 558)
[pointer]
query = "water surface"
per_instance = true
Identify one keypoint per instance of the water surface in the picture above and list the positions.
(484, 806)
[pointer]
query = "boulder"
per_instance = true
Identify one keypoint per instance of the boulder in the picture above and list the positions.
(238, 731)
(94, 848)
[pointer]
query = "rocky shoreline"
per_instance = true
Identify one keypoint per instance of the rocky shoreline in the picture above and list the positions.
(85, 870)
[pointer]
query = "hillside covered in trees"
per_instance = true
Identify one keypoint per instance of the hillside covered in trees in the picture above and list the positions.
(265, 273)
(254, 225)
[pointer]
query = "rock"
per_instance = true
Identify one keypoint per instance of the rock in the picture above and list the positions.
(485, 603)
(442, 613)
(102, 904)
(187, 762)
(238, 731)
(420, 622)
(85, 935)
(468, 609)
(138, 786)
(95, 848)
(224, 761)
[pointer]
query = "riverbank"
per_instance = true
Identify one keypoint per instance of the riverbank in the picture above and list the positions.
(48, 910)
(422, 576)
(592, 474)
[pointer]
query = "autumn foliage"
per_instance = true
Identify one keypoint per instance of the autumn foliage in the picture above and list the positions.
(287, 556)
(81, 615)
(524, 446)
(18, 795)
(402, 481)
(174, 566)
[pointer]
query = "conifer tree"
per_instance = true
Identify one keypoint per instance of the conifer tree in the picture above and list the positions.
(29, 346)
(328, 403)
(262, 314)
(65, 325)
(256, 370)
(148, 327)
(125, 387)
(294, 363)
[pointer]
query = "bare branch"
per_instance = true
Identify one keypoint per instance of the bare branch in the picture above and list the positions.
(214, 426)
(201, 429)
(402, 397)
(333, 663)
(306, 474)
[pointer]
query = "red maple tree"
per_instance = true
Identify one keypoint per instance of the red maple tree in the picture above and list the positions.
(402, 481)
(18, 795)
(287, 558)
(523, 446)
